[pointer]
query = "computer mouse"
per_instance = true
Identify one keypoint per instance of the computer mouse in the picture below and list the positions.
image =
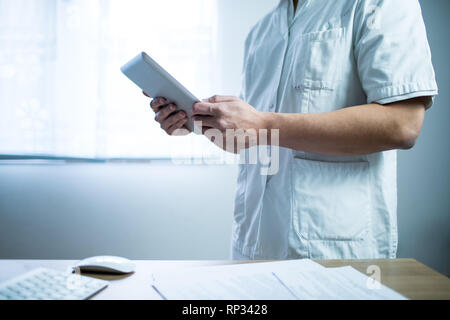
(105, 264)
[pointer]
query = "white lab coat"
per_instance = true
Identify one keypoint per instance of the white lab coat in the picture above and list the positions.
(330, 55)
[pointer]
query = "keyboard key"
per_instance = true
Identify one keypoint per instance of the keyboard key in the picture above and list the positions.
(46, 284)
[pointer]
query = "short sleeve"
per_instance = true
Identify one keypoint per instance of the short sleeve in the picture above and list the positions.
(392, 51)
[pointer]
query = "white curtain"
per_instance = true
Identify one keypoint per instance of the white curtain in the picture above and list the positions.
(61, 89)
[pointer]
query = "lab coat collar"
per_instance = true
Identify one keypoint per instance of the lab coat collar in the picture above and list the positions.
(287, 16)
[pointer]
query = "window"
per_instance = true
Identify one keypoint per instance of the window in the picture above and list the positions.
(61, 89)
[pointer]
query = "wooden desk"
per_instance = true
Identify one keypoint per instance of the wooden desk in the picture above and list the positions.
(407, 276)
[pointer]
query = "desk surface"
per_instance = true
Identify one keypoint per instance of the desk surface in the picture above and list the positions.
(406, 276)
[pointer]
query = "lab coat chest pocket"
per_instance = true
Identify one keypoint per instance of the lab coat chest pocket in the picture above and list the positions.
(319, 60)
(331, 200)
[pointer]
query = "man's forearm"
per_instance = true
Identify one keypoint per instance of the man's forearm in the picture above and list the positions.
(355, 130)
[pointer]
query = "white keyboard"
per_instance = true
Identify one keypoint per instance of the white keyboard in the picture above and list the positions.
(46, 284)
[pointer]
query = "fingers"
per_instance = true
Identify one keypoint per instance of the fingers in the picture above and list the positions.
(205, 108)
(164, 112)
(211, 105)
(173, 120)
(206, 121)
(217, 99)
(158, 103)
(178, 129)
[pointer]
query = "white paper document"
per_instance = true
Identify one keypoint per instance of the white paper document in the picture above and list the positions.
(343, 283)
(284, 280)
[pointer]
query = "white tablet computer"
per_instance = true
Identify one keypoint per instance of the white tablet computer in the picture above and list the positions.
(157, 82)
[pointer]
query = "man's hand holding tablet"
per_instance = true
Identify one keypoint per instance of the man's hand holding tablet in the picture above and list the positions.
(172, 101)
(176, 108)
(172, 121)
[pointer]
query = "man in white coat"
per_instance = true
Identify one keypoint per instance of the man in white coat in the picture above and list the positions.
(346, 83)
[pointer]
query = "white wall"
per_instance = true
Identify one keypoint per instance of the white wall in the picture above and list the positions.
(236, 18)
(140, 211)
